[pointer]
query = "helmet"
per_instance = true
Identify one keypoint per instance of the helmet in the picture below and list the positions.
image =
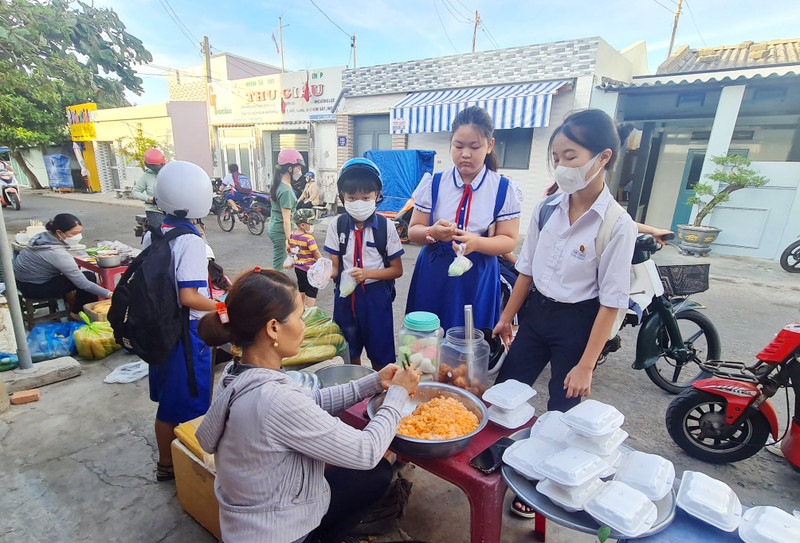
(290, 157)
(304, 216)
(210, 252)
(154, 157)
(360, 165)
(183, 189)
(5, 174)
(310, 175)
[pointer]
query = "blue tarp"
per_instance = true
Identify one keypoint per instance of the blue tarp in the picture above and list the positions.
(58, 172)
(401, 172)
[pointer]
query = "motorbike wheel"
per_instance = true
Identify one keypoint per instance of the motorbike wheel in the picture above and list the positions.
(255, 223)
(696, 418)
(701, 339)
(790, 258)
(225, 220)
(15, 203)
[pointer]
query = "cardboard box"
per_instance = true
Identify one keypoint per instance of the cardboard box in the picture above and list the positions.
(195, 486)
(93, 315)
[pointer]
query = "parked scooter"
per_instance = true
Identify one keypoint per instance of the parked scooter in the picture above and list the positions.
(9, 190)
(401, 219)
(729, 417)
(790, 258)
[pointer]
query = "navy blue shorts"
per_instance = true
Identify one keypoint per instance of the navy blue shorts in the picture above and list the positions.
(372, 325)
(169, 383)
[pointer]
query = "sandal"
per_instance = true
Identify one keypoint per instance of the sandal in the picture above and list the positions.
(164, 473)
(521, 510)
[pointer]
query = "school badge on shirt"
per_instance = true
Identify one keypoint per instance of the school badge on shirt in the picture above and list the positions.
(579, 253)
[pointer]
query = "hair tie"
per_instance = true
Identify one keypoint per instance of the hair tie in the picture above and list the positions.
(222, 311)
(257, 269)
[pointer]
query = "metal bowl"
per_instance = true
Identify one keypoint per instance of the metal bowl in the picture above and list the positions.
(423, 448)
(341, 374)
(108, 261)
(305, 380)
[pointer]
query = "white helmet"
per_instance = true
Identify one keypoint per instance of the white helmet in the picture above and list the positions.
(183, 189)
(209, 252)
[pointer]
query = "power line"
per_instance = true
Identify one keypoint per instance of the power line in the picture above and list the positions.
(491, 40)
(454, 12)
(489, 34)
(695, 23)
(663, 6)
(331, 20)
(443, 28)
(185, 31)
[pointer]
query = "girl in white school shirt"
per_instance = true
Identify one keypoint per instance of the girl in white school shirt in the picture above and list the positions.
(575, 295)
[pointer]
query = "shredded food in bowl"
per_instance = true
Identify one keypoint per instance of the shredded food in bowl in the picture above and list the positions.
(438, 419)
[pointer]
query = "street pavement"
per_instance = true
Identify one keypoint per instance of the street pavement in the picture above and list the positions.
(78, 464)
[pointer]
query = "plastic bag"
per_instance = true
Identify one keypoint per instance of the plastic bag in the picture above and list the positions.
(52, 340)
(288, 262)
(323, 339)
(347, 285)
(319, 274)
(461, 264)
(94, 340)
(128, 373)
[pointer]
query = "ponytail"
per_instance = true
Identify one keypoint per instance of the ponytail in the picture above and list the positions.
(491, 161)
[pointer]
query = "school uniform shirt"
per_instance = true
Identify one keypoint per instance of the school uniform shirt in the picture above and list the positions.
(475, 218)
(370, 258)
(305, 245)
(561, 258)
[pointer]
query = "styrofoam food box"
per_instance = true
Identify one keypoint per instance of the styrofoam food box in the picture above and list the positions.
(624, 509)
(767, 524)
(511, 418)
(550, 428)
(569, 498)
(525, 455)
(710, 500)
(572, 467)
(601, 446)
(649, 473)
(509, 394)
(591, 418)
(613, 461)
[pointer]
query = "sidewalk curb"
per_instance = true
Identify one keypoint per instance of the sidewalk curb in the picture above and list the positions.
(90, 198)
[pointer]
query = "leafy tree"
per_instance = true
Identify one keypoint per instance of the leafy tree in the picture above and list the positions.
(132, 148)
(57, 53)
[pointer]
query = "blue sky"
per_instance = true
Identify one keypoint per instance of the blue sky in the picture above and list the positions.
(398, 30)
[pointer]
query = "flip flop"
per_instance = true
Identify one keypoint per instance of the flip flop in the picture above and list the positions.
(518, 508)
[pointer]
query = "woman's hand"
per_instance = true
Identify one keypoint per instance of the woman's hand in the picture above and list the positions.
(504, 330)
(443, 230)
(659, 233)
(408, 378)
(360, 274)
(578, 382)
(471, 242)
(387, 374)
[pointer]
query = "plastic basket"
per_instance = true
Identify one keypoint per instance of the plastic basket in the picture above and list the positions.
(684, 280)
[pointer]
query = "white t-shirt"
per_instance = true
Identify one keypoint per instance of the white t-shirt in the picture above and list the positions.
(371, 258)
(484, 195)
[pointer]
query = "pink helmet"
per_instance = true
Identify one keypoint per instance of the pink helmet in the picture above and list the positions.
(154, 157)
(290, 157)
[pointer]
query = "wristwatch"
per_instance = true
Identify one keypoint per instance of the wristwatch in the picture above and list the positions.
(428, 237)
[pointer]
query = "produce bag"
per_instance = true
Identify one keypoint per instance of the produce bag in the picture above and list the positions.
(52, 340)
(288, 262)
(319, 274)
(323, 339)
(461, 264)
(94, 340)
(347, 285)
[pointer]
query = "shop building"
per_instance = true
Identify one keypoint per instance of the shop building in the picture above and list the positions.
(527, 90)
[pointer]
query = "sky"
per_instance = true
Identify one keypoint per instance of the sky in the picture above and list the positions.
(399, 30)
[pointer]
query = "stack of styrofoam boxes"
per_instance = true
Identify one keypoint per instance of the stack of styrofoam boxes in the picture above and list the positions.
(510, 407)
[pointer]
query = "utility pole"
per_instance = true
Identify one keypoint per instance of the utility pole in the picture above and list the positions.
(475, 29)
(212, 129)
(674, 28)
(280, 33)
(12, 299)
(355, 51)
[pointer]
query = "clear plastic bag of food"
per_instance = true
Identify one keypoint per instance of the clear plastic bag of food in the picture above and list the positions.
(461, 264)
(288, 262)
(94, 340)
(346, 285)
(319, 274)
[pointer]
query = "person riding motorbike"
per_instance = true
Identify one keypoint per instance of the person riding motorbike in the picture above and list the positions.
(9, 190)
(237, 186)
(310, 195)
(145, 186)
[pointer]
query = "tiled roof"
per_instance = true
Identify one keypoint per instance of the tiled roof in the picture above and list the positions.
(730, 57)
(529, 63)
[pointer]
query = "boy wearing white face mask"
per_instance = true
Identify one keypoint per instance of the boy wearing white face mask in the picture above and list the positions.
(365, 246)
(304, 252)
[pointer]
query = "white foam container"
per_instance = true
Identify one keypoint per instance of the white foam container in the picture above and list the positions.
(550, 428)
(572, 467)
(767, 524)
(651, 474)
(601, 446)
(525, 455)
(511, 418)
(569, 498)
(509, 394)
(709, 500)
(624, 509)
(613, 461)
(591, 418)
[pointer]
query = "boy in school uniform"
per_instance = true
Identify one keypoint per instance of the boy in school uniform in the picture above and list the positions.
(302, 247)
(365, 246)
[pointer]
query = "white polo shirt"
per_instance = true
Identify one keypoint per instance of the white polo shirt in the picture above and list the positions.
(561, 258)
(371, 258)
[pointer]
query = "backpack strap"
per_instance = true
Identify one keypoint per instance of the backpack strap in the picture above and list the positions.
(437, 179)
(546, 211)
(342, 225)
(613, 212)
(502, 190)
(381, 238)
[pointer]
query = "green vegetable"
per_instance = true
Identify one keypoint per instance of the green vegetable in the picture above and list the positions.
(603, 534)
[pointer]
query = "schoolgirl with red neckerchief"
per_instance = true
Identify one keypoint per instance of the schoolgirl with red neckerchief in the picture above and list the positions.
(471, 205)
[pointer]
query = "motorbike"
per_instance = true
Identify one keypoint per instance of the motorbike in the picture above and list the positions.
(790, 258)
(401, 219)
(729, 417)
(9, 190)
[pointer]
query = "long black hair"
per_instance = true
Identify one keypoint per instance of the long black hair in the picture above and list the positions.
(482, 121)
(594, 130)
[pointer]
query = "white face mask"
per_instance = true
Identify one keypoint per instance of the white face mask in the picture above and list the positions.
(297, 173)
(309, 228)
(573, 179)
(74, 240)
(360, 210)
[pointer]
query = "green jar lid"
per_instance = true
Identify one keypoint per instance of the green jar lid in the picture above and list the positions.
(421, 321)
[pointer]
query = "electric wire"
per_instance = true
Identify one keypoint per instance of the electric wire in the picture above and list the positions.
(695, 23)
(663, 6)
(454, 12)
(185, 32)
(331, 20)
(443, 27)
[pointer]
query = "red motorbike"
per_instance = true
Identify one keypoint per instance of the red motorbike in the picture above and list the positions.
(728, 417)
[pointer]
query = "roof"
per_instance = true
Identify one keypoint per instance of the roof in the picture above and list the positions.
(788, 74)
(529, 63)
(730, 57)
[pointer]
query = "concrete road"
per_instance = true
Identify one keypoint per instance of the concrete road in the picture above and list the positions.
(78, 465)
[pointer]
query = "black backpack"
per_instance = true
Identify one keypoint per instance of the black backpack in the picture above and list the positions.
(381, 236)
(145, 314)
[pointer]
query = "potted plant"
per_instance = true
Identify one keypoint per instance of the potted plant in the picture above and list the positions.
(733, 173)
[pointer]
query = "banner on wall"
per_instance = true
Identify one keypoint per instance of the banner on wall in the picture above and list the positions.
(79, 119)
(292, 96)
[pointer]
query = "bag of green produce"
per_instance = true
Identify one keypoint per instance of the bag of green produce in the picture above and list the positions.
(95, 340)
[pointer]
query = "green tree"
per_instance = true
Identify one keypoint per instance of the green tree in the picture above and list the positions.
(56, 53)
(132, 148)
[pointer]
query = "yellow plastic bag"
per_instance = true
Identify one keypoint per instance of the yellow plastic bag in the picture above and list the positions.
(95, 340)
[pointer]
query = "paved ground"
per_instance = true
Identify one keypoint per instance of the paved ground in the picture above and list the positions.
(77, 465)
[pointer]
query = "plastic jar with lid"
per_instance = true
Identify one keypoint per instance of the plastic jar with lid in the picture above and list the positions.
(419, 340)
(464, 363)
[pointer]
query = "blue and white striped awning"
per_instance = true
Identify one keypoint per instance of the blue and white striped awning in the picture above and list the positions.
(511, 106)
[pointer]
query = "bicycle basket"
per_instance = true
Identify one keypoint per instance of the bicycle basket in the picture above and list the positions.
(683, 280)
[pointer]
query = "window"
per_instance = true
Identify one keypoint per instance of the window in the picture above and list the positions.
(513, 147)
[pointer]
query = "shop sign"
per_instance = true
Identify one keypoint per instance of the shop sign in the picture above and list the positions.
(399, 125)
(342, 141)
(79, 119)
(291, 96)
